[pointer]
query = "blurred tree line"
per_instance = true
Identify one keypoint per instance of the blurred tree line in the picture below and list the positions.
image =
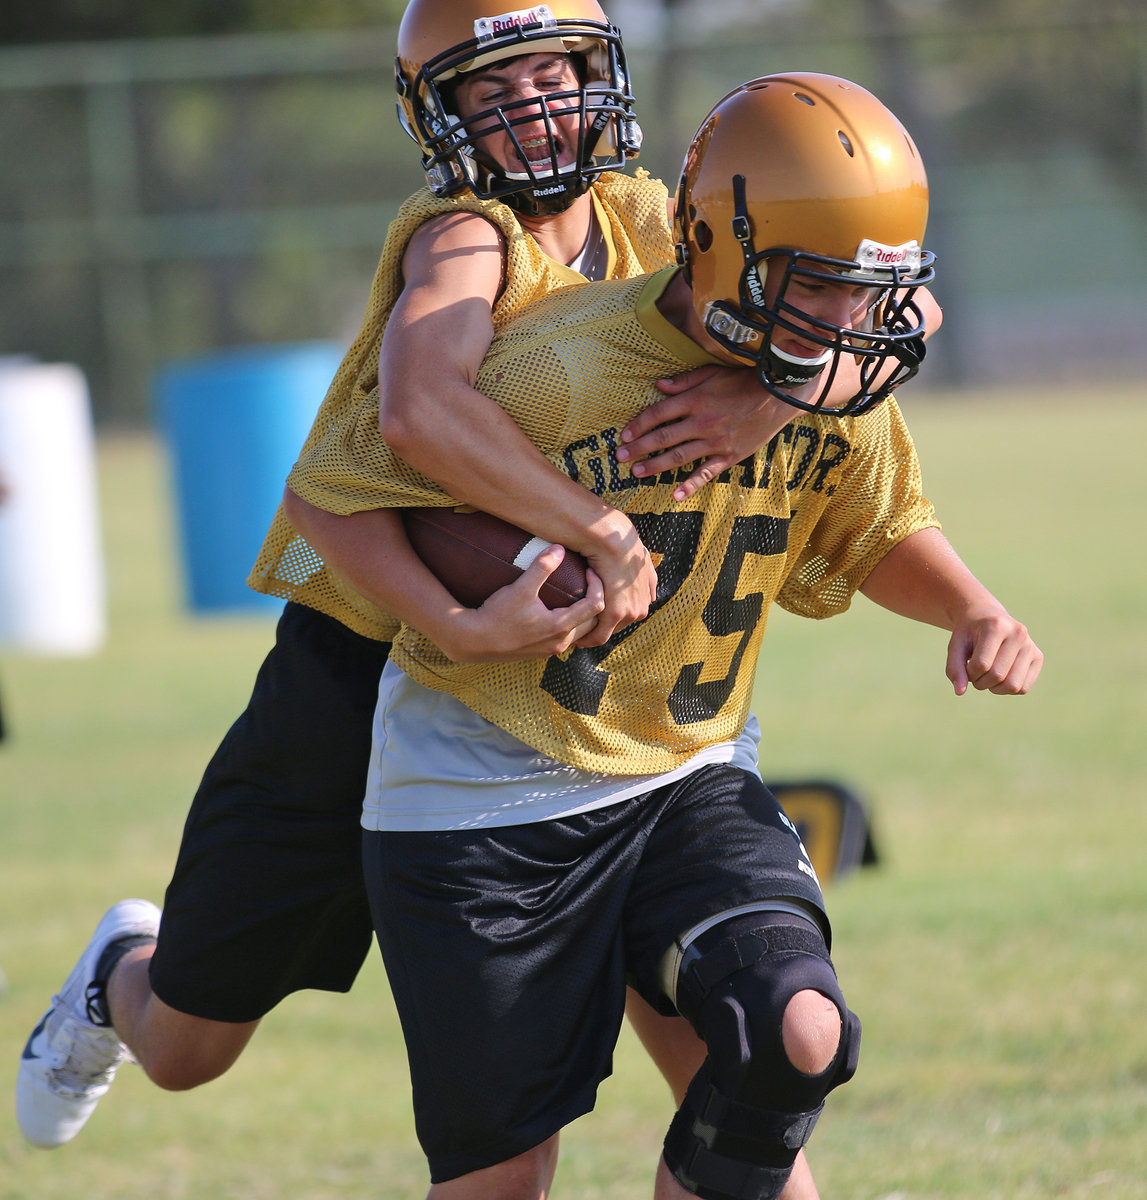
(190, 175)
(1042, 87)
(1041, 93)
(88, 20)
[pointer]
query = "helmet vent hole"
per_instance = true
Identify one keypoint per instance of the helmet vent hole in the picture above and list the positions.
(703, 236)
(805, 99)
(846, 143)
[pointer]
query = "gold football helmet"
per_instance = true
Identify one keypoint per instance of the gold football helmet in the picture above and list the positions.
(439, 40)
(807, 178)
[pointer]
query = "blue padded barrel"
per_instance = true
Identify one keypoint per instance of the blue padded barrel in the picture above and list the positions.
(234, 423)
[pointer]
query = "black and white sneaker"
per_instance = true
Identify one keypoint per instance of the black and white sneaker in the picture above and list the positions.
(72, 1056)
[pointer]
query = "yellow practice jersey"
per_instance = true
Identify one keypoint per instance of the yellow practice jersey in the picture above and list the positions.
(631, 213)
(802, 522)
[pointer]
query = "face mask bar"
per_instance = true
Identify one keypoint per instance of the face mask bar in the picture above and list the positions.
(887, 345)
(888, 348)
(591, 111)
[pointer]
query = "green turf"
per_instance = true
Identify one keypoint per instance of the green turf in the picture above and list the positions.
(996, 956)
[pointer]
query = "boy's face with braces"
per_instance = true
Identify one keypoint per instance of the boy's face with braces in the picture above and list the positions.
(523, 87)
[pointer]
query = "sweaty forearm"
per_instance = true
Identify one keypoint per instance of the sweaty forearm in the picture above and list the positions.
(371, 552)
(924, 579)
(476, 452)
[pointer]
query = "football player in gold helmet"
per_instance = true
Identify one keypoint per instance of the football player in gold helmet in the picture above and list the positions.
(553, 827)
(839, 173)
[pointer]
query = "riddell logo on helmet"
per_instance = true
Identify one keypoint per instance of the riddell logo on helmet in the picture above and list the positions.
(891, 257)
(877, 255)
(487, 27)
(756, 287)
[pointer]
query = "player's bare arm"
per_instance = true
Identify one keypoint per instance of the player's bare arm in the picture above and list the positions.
(432, 416)
(923, 578)
(718, 416)
(371, 551)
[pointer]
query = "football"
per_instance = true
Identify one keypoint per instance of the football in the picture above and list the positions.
(473, 554)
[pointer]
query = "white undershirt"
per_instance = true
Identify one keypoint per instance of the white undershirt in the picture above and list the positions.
(593, 258)
(436, 764)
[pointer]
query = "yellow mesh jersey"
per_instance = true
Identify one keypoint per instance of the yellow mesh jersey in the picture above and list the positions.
(631, 212)
(802, 522)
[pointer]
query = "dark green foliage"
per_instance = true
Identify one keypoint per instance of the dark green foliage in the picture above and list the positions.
(86, 20)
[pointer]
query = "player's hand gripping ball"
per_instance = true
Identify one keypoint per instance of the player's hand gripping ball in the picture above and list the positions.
(473, 554)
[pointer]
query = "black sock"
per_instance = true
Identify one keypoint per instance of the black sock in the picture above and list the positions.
(97, 994)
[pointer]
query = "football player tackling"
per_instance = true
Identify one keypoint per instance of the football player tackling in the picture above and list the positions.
(541, 829)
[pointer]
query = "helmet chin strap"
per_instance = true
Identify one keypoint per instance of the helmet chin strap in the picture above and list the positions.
(548, 200)
(544, 199)
(531, 177)
(789, 370)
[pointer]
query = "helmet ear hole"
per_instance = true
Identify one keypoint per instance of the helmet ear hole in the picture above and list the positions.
(703, 236)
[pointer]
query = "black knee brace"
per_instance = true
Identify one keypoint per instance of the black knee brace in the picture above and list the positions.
(748, 1111)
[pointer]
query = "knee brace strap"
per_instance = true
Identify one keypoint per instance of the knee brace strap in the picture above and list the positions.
(717, 1111)
(757, 1148)
(738, 944)
(712, 1176)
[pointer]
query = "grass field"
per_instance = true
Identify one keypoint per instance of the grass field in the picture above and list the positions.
(997, 955)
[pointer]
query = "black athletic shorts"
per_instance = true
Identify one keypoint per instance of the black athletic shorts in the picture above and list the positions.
(509, 949)
(267, 895)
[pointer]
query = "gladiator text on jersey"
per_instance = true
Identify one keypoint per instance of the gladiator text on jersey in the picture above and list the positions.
(813, 460)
